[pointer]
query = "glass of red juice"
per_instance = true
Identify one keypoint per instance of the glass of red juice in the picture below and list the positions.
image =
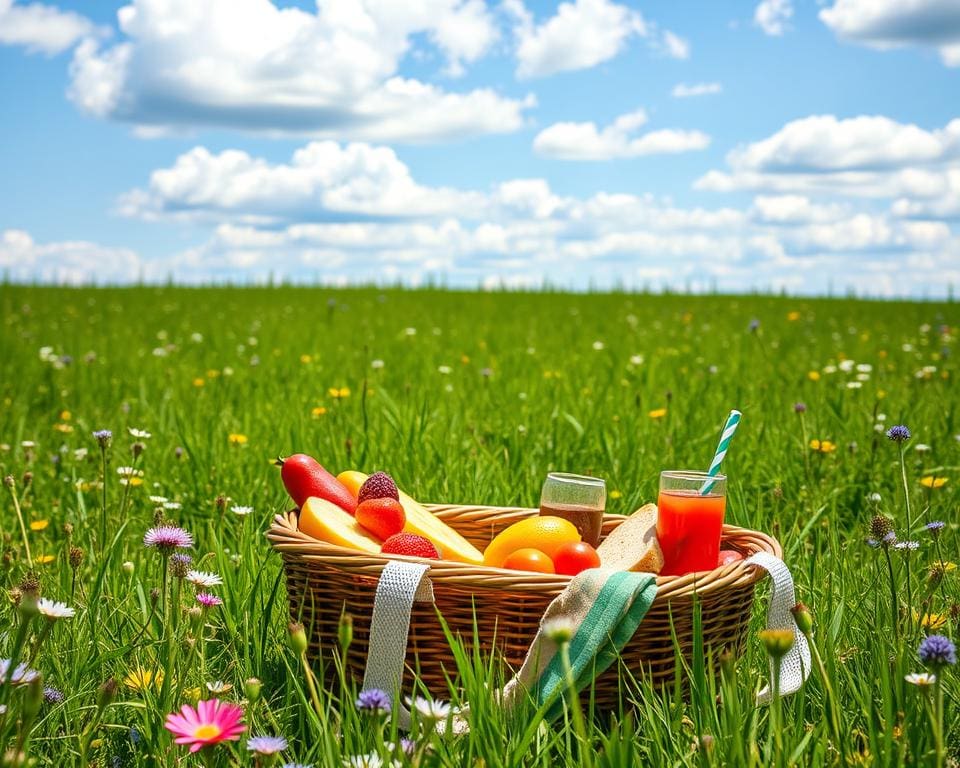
(690, 521)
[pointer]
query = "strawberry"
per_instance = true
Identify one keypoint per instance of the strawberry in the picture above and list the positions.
(411, 545)
(382, 517)
(378, 486)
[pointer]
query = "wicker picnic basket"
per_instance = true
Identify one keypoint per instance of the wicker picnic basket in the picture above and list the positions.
(324, 581)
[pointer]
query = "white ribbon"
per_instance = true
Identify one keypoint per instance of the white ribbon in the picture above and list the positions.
(795, 665)
(400, 585)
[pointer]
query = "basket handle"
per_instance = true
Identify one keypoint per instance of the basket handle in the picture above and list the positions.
(795, 665)
(400, 584)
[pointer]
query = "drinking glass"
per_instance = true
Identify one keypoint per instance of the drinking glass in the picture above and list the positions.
(690, 511)
(577, 498)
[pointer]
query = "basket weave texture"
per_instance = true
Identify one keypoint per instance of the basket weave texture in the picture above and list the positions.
(324, 581)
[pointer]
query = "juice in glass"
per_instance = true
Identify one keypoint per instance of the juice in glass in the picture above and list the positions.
(689, 523)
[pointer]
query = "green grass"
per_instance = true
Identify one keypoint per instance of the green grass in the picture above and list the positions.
(489, 393)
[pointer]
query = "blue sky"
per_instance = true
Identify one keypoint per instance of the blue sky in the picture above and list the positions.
(767, 144)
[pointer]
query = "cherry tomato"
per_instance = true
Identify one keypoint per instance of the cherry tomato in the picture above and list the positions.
(574, 557)
(528, 559)
(728, 556)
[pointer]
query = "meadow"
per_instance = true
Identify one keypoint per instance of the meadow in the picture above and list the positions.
(473, 398)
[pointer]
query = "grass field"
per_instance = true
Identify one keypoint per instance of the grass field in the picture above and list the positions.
(472, 398)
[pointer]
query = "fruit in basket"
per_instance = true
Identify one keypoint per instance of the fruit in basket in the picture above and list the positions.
(411, 545)
(303, 477)
(450, 544)
(574, 557)
(546, 532)
(728, 556)
(382, 517)
(529, 559)
(327, 522)
(378, 486)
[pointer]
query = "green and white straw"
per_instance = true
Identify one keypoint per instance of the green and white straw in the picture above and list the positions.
(725, 437)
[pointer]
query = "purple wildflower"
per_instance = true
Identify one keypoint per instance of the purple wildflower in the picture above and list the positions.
(935, 527)
(754, 325)
(207, 600)
(53, 695)
(373, 700)
(898, 433)
(889, 539)
(167, 538)
(103, 437)
(19, 675)
(180, 565)
(937, 651)
(266, 745)
(799, 407)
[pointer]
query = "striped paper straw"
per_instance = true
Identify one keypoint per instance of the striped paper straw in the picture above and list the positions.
(725, 437)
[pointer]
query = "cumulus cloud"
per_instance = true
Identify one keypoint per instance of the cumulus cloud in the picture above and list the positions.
(885, 24)
(620, 139)
(42, 28)
(335, 213)
(72, 262)
(868, 157)
(772, 16)
(581, 34)
(675, 46)
(684, 91)
(250, 65)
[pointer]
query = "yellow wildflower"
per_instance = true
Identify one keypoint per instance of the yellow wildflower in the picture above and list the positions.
(657, 413)
(615, 494)
(65, 415)
(198, 382)
(318, 412)
(464, 359)
(948, 566)
(140, 679)
(814, 375)
(236, 438)
(65, 428)
(212, 373)
(931, 621)
(932, 481)
(337, 394)
(822, 446)
(793, 316)
(306, 359)
(44, 559)
(38, 525)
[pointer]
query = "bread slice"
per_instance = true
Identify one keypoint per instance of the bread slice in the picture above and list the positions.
(633, 545)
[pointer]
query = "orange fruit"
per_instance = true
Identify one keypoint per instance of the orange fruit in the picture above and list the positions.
(546, 533)
(529, 559)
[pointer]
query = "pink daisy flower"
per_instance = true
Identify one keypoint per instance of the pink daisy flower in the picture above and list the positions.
(207, 600)
(167, 538)
(210, 723)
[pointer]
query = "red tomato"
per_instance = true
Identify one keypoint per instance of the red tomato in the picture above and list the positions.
(528, 559)
(575, 556)
(728, 556)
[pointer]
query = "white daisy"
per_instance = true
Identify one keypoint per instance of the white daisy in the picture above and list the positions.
(429, 711)
(158, 499)
(80, 454)
(243, 511)
(172, 505)
(444, 369)
(140, 434)
(921, 679)
(204, 578)
(376, 364)
(598, 345)
(54, 610)
(219, 687)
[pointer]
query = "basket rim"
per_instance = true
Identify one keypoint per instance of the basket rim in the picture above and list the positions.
(291, 543)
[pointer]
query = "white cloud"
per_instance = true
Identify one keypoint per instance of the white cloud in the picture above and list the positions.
(794, 209)
(249, 65)
(867, 157)
(581, 34)
(772, 16)
(620, 139)
(322, 178)
(684, 91)
(675, 46)
(42, 28)
(885, 24)
(72, 262)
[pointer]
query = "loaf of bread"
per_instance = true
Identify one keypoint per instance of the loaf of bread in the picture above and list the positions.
(633, 545)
